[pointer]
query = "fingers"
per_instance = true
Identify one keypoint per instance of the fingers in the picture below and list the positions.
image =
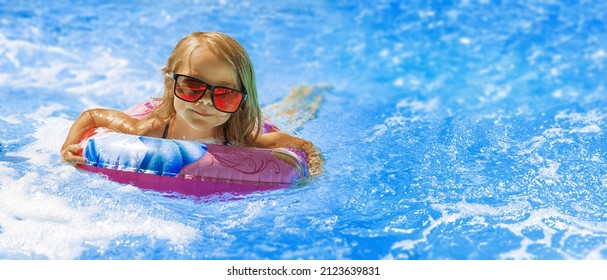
(314, 166)
(72, 154)
(315, 161)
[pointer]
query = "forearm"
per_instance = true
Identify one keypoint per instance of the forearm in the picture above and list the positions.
(83, 124)
(94, 118)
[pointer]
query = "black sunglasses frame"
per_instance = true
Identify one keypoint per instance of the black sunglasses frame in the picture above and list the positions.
(210, 88)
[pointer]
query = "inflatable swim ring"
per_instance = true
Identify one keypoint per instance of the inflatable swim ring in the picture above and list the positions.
(189, 167)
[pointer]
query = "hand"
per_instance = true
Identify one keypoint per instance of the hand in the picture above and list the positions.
(87, 122)
(279, 139)
(315, 161)
(72, 154)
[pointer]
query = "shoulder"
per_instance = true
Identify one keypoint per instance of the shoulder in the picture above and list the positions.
(148, 119)
(152, 126)
(142, 110)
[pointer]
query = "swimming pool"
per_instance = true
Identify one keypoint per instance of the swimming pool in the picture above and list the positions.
(451, 130)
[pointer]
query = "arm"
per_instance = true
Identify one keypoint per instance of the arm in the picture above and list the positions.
(91, 119)
(281, 139)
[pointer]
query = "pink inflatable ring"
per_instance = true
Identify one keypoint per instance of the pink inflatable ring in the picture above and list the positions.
(188, 167)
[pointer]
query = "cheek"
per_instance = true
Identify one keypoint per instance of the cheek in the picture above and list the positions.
(179, 105)
(221, 119)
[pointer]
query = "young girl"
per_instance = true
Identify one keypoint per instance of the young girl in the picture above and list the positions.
(209, 95)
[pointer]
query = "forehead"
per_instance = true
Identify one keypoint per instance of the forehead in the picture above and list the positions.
(207, 66)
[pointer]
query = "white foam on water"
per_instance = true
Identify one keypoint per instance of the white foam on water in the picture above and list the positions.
(493, 93)
(35, 222)
(325, 223)
(590, 117)
(549, 221)
(399, 82)
(532, 145)
(118, 77)
(378, 130)
(465, 41)
(408, 111)
(557, 93)
(12, 119)
(567, 125)
(598, 57)
(54, 68)
(591, 128)
(253, 210)
(419, 106)
(49, 136)
(549, 173)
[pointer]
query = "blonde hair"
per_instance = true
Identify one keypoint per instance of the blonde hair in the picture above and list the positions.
(244, 125)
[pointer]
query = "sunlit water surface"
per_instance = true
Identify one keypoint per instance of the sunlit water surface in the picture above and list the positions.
(451, 130)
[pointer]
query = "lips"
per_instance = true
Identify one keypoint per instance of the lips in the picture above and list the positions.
(204, 114)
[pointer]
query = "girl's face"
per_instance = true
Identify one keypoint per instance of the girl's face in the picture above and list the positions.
(201, 117)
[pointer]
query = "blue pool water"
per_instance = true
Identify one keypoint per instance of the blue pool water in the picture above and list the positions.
(470, 129)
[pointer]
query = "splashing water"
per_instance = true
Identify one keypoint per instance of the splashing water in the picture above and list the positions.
(451, 130)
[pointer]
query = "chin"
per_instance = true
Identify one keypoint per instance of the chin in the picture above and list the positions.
(206, 124)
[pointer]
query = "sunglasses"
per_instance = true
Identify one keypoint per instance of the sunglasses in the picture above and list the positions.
(190, 89)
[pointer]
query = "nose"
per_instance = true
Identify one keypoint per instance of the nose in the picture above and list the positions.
(205, 99)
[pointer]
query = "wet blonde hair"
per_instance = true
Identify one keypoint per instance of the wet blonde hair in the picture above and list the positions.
(244, 125)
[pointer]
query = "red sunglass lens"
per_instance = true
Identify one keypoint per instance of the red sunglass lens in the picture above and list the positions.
(188, 89)
(226, 99)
